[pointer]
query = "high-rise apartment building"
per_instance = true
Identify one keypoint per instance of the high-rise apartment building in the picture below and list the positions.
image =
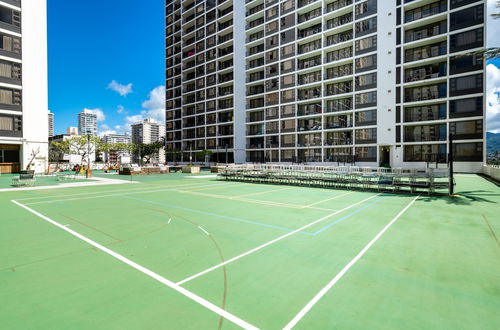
(51, 123)
(23, 102)
(87, 123)
(205, 84)
(365, 82)
(149, 131)
(114, 156)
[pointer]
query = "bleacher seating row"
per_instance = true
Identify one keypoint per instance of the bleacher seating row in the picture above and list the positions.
(347, 177)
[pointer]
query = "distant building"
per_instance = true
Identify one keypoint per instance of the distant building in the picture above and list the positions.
(113, 156)
(148, 131)
(23, 86)
(72, 131)
(87, 123)
(73, 157)
(51, 124)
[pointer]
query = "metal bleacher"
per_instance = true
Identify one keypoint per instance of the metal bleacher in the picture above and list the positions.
(426, 180)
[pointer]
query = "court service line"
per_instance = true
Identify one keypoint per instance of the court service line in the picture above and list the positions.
(344, 270)
(109, 195)
(205, 303)
(328, 199)
(273, 241)
(111, 191)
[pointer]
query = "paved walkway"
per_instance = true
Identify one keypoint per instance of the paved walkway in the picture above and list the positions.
(95, 181)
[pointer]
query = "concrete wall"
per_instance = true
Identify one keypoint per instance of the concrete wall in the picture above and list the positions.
(492, 171)
(35, 90)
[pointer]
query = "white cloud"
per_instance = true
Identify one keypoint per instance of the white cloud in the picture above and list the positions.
(107, 132)
(121, 110)
(492, 98)
(155, 105)
(123, 90)
(98, 112)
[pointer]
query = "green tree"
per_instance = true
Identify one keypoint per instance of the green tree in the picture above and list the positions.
(146, 151)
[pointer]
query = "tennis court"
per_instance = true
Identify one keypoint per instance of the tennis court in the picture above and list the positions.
(191, 252)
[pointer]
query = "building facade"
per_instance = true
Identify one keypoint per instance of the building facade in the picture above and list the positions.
(23, 102)
(114, 156)
(149, 131)
(87, 123)
(365, 82)
(72, 130)
(205, 78)
(51, 123)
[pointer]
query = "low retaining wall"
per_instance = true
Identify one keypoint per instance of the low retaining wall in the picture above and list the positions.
(492, 171)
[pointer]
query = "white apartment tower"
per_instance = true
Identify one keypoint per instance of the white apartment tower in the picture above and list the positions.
(87, 123)
(23, 102)
(51, 123)
(149, 131)
(365, 82)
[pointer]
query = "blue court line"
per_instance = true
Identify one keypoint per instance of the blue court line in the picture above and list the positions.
(347, 216)
(207, 213)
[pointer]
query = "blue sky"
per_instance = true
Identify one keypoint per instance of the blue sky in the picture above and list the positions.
(108, 56)
(94, 42)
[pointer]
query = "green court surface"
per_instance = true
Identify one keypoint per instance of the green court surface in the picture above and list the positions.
(6, 180)
(190, 252)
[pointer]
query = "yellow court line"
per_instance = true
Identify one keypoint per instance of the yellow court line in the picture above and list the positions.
(262, 192)
(255, 201)
(326, 200)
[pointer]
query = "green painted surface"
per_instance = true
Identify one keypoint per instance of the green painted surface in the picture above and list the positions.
(436, 267)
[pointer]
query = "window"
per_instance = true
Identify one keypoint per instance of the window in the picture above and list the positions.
(466, 40)
(366, 63)
(466, 17)
(366, 26)
(468, 152)
(366, 8)
(463, 130)
(365, 45)
(10, 44)
(425, 153)
(465, 63)
(10, 125)
(425, 133)
(364, 118)
(466, 85)
(288, 51)
(366, 81)
(10, 70)
(10, 96)
(466, 107)
(366, 99)
(366, 154)
(366, 135)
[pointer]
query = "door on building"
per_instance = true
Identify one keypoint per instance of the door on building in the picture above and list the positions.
(384, 156)
(9, 158)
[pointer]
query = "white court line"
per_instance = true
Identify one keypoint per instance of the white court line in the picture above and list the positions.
(110, 191)
(100, 196)
(272, 242)
(328, 199)
(344, 270)
(203, 230)
(205, 303)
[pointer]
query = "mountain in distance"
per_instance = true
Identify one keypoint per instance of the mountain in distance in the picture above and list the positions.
(492, 142)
